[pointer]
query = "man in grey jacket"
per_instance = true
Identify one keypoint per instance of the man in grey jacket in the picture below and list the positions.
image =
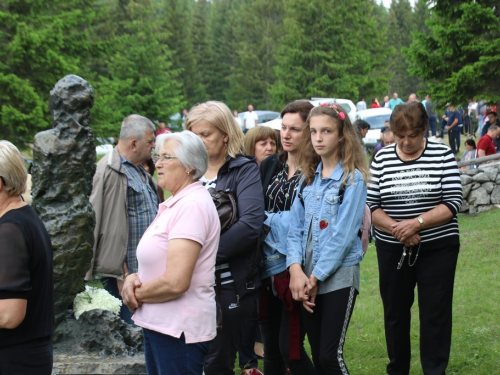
(125, 202)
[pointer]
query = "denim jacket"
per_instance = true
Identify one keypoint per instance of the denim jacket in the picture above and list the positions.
(334, 226)
(273, 257)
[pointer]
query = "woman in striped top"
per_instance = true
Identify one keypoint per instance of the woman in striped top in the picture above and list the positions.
(415, 195)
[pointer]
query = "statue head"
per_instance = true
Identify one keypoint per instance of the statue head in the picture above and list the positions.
(71, 97)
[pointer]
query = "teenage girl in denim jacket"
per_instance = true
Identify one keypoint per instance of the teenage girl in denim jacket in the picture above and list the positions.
(323, 248)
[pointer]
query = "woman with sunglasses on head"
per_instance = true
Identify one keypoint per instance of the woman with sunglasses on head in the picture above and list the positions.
(415, 195)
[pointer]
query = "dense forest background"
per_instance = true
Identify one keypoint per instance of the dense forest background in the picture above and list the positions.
(155, 57)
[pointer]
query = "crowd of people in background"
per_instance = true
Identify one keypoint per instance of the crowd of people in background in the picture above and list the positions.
(289, 266)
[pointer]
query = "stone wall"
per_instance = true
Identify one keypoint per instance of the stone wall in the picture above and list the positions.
(481, 188)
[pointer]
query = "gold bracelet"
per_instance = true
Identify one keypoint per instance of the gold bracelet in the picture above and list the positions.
(126, 274)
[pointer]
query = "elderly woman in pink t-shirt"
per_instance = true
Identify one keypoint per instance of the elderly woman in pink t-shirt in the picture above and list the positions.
(172, 295)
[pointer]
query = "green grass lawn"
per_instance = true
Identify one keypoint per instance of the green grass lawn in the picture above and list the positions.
(476, 317)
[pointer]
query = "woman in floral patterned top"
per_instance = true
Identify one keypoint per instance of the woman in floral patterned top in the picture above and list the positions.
(280, 179)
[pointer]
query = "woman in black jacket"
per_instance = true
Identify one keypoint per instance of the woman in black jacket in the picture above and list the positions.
(236, 258)
(282, 330)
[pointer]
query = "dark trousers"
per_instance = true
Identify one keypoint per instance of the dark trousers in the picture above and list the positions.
(246, 354)
(326, 329)
(275, 333)
(235, 313)
(167, 355)
(33, 358)
(111, 286)
(454, 139)
(434, 274)
(443, 125)
(432, 125)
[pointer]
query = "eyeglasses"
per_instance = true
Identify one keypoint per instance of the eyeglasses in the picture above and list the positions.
(163, 158)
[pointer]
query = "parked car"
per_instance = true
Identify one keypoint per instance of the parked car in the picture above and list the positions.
(264, 116)
(273, 124)
(347, 104)
(376, 117)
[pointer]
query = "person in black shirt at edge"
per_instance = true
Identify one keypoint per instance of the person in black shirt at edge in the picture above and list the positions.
(26, 285)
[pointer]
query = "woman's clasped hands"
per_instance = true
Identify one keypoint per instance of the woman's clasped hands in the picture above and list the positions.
(303, 288)
(406, 232)
(131, 283)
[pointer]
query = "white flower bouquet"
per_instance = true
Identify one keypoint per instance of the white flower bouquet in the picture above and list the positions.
(95, 298)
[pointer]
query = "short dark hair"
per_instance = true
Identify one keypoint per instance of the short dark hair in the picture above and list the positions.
(361, 124)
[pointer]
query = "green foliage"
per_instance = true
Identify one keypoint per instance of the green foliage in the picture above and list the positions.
(322, 53)
(460, 57)
(154, 57)
(257, 36)
(402, 23)
(178, 19)
(139, 74)
(40, 46)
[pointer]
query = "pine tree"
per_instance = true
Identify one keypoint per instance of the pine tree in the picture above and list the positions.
(42, 43)
(461, 56)
(177, 17)
(401, 25)
(139, 75)
(201, 45)
(327, 50)
(220, 51)
(257, 37)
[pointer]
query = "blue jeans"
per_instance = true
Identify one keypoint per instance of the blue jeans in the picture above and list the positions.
(167, 355)
(432, 125)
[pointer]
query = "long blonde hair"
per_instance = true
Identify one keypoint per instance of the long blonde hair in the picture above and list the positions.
(350, 149)
(220, 116)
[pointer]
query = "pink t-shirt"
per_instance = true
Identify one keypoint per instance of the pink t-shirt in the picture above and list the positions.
(190, 214)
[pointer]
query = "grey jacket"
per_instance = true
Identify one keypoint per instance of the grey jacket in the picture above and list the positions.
(109, 199)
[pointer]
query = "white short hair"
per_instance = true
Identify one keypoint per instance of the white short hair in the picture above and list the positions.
(190, 151)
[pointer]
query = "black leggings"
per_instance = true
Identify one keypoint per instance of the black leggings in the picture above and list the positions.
(275, 333)
(236, 312)
(34, 358)
(327, 328)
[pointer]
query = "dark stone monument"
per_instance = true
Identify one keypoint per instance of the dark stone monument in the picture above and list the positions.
(63, 168)
(62, 172)
(98, 332)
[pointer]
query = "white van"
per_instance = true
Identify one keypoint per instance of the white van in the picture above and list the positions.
(376, 117)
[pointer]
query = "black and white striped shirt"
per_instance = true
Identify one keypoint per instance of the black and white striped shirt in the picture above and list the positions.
(407, 189)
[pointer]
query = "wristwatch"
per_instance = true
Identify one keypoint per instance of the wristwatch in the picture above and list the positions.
(421, 222)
